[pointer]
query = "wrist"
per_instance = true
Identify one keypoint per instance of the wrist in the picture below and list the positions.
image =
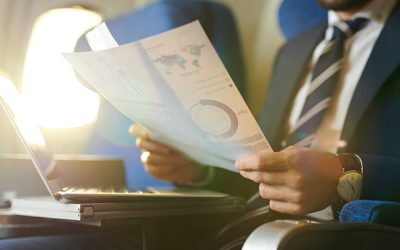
(351, 162)
(350, 181)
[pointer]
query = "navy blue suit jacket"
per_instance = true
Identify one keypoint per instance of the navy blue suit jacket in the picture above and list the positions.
(372, 124)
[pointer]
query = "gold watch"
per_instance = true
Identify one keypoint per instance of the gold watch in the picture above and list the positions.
(350, 182)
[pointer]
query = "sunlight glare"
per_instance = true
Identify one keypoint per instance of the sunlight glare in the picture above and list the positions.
(18, 109)
(50, 86)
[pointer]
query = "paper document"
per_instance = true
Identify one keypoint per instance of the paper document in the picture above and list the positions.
(175, 85)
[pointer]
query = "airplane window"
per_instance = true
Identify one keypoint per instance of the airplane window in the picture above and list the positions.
(50, 86)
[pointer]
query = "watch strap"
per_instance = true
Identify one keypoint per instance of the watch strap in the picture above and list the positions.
(350, 162)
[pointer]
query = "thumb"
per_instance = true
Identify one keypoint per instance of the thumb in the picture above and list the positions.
(139, 131)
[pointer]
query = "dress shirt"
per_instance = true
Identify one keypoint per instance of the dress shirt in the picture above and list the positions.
(357, 50)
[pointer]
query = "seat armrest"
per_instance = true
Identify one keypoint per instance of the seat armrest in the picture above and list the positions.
(271, 234)
(287, 235)
(380, 212)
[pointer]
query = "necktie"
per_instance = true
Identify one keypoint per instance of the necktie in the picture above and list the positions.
(324, 79)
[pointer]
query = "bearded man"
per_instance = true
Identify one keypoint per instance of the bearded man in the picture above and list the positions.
(331, 114)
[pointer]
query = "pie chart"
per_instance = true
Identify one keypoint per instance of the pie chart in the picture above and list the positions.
(215, 118)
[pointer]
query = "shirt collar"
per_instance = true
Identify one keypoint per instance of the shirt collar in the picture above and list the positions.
(376, 11)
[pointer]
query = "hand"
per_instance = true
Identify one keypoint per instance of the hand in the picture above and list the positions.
(296, 180)
(165, 163)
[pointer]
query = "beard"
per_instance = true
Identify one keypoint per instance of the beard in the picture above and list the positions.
(341, 5)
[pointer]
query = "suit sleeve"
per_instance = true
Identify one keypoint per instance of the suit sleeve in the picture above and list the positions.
(381, 178)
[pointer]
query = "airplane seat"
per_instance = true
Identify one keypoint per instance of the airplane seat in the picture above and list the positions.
(362, 224)
(219, 24)
(295, 17)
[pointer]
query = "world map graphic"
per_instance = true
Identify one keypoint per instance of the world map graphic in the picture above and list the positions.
(190, 53)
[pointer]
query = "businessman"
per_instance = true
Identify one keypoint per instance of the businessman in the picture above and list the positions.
(332, 116)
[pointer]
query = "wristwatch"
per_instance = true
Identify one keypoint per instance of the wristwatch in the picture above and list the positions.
(349, 185)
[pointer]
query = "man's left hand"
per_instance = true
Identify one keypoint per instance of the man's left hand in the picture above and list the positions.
(296, 180)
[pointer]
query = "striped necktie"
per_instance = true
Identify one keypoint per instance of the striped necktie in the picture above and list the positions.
(324, 79)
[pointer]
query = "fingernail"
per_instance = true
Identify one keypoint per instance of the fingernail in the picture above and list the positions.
(144, 156)
(138, 141)
(237, 165)
(131, 130)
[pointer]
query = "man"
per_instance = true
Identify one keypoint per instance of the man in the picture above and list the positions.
(364, 119)
(359, 128)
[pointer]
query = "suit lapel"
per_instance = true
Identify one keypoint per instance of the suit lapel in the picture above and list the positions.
(285, 82)
(384, 59)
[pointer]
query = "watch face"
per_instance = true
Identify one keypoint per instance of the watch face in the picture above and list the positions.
(349, 186)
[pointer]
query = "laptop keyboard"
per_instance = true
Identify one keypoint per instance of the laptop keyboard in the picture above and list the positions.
(111, 190)
(72, 193)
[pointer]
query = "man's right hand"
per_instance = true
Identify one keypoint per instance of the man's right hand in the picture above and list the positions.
(165, 163)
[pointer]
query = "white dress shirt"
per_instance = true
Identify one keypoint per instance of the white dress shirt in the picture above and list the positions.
(357, 50)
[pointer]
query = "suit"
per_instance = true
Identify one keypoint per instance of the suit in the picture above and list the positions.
(372, 124)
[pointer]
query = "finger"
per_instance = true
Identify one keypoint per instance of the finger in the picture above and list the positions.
(290, 147)
(266, 177)
(138, 131)
(144, 156)
(264, 161)
(152, 146)
(286, 207)
(272, 192)
(158, 159)
(279, 193)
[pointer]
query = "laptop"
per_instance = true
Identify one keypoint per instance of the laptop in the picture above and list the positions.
(18, 166)
(85, 202)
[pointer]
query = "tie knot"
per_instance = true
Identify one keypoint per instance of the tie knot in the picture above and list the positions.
(349, 27)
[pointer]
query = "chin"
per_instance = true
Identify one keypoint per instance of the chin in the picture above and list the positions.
(342, 5)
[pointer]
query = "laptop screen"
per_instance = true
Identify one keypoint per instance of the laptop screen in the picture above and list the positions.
(28, 131)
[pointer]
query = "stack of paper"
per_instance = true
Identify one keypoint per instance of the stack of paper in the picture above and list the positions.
(175, 85)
